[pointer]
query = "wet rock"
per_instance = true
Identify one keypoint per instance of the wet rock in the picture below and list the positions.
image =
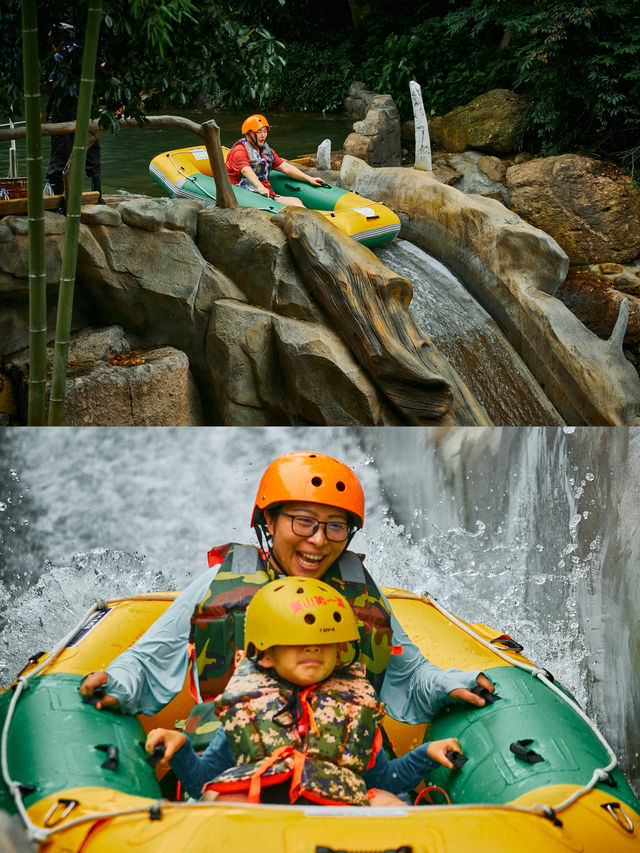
(6, 234)
(490, 123)
(376, 139)
(368, 305)
(596, 302)
(590, 206)
(627, 283)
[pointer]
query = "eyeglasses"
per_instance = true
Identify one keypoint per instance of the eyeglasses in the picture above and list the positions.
(302, 525)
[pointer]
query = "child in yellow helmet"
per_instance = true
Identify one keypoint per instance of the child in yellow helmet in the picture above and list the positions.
(300, 721)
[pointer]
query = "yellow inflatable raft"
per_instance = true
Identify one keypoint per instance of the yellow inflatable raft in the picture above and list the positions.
(186, 173)
(79, 780)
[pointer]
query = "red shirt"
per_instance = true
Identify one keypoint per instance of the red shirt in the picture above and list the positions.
(238, 158)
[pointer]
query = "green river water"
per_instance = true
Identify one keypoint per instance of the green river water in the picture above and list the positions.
(125, 157)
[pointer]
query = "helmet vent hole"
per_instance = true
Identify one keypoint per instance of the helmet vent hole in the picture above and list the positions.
(300, 590)
(316, 481)
(340, 486)
(309, 618)
(337, 616)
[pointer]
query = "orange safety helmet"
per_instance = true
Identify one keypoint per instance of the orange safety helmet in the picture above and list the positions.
(254, 122)
(311, 477)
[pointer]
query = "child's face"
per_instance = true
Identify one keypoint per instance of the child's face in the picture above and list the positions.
(302, 665)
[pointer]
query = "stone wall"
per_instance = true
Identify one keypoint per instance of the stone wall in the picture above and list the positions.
(220, 287)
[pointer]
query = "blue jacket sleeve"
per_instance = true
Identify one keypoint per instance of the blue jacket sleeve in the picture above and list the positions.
(415, 689)
(399, 775)
(147, 676)
(194, 770)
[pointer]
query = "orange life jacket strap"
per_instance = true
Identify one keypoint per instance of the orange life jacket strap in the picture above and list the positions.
(255, 784)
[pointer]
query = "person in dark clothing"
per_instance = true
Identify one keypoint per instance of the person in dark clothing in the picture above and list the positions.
(61, 107)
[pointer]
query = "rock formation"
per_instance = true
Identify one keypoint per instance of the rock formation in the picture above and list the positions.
(513, 270)
(376, 138)
(490, 123)
(590, 206)
(221, 287)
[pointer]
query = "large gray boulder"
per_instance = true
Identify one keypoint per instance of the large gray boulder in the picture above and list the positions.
(590, 206)
(490, 123)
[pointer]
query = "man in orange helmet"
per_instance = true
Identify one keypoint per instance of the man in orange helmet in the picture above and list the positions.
(251, 160)
(307, 509)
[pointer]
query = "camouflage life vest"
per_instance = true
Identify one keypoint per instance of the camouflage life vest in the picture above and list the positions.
(324, 752)
(217, 623)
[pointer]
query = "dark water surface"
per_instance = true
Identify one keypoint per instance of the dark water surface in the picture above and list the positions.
(125, 158)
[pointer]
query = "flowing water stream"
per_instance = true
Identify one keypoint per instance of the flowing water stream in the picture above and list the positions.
(532, 531)
(468, 337)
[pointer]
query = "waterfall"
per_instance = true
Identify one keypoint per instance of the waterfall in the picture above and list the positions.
(530, 530)
(470, 339)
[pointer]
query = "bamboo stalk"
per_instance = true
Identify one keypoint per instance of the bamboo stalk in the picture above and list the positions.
(72, 228)
(37, 393)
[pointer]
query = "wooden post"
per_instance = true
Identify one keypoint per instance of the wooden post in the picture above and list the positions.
(210, 135)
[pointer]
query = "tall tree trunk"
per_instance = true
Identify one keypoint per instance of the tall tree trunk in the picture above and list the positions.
(37, 405)
(74, 203)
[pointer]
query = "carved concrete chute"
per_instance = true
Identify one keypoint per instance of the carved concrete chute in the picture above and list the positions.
(513, 270)
(367, 303)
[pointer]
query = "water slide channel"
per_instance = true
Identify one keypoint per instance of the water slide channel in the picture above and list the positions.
(469, 338)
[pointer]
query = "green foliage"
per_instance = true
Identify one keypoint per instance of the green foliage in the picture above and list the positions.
(451, 69)
(315, 77)
(10, 59)
(579, 64)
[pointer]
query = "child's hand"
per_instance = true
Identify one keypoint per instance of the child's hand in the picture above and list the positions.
(171, 740)
(438, 749)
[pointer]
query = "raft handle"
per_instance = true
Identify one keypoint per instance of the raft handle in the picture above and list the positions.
(485, 694)
(457, 758)
(156, 756)
(506, 641)
(112, 760)
(99, 693)
(616, 811)
(520, 748)
(292, 187)
(69, 805)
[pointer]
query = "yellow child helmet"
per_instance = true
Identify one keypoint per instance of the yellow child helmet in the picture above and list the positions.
(296, 611)
(254, 122)
(311, 477)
